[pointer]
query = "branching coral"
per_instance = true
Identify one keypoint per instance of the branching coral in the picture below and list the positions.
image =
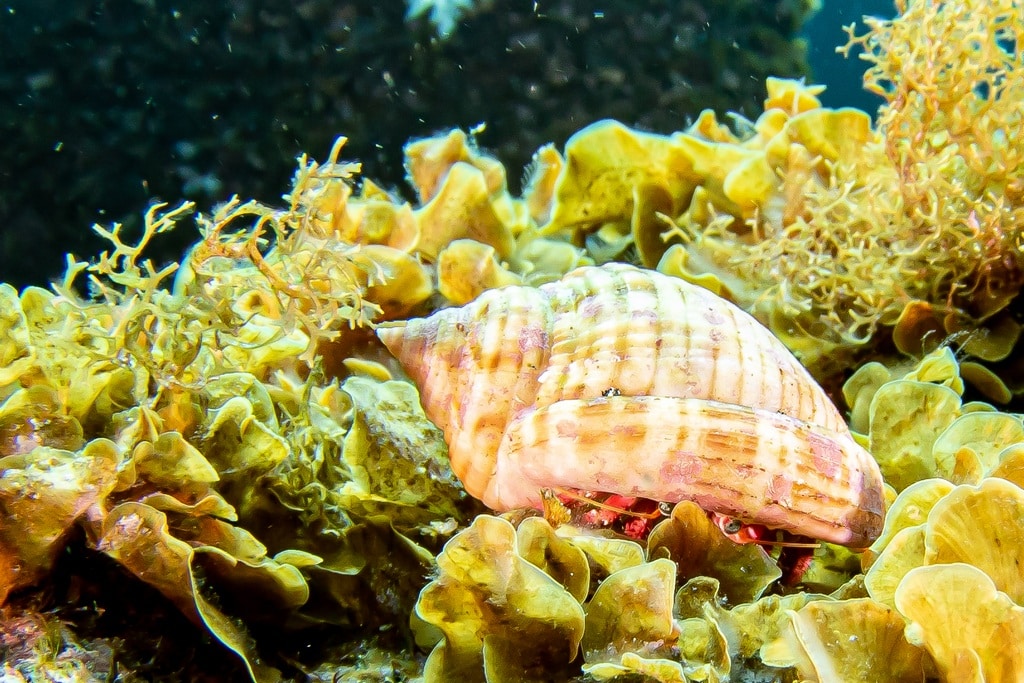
(775, 217)
(234, 430)
(953, 78)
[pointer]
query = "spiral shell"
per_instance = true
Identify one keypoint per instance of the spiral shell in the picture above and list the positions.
(622, 380)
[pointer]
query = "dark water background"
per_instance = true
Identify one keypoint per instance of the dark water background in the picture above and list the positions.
(109, 105)
(842, 76)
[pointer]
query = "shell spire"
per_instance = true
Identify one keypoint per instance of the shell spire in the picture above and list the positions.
(469, 380)
(623, 380)
(413, 341)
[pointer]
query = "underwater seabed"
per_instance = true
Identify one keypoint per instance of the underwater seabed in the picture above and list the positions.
(214, 470)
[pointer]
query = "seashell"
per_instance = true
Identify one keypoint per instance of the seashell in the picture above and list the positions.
(621, 380)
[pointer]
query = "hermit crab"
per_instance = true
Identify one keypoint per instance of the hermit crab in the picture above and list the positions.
(626, 381)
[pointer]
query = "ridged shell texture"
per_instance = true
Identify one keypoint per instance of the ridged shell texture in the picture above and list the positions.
(621, 380)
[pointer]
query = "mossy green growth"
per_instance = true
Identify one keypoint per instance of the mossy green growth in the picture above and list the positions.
(398, 459)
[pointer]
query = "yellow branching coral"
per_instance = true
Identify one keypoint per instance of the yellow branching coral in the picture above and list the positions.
(799, 231)
(952, 76)
(193, 434)
(306, 283)
(777, 216)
